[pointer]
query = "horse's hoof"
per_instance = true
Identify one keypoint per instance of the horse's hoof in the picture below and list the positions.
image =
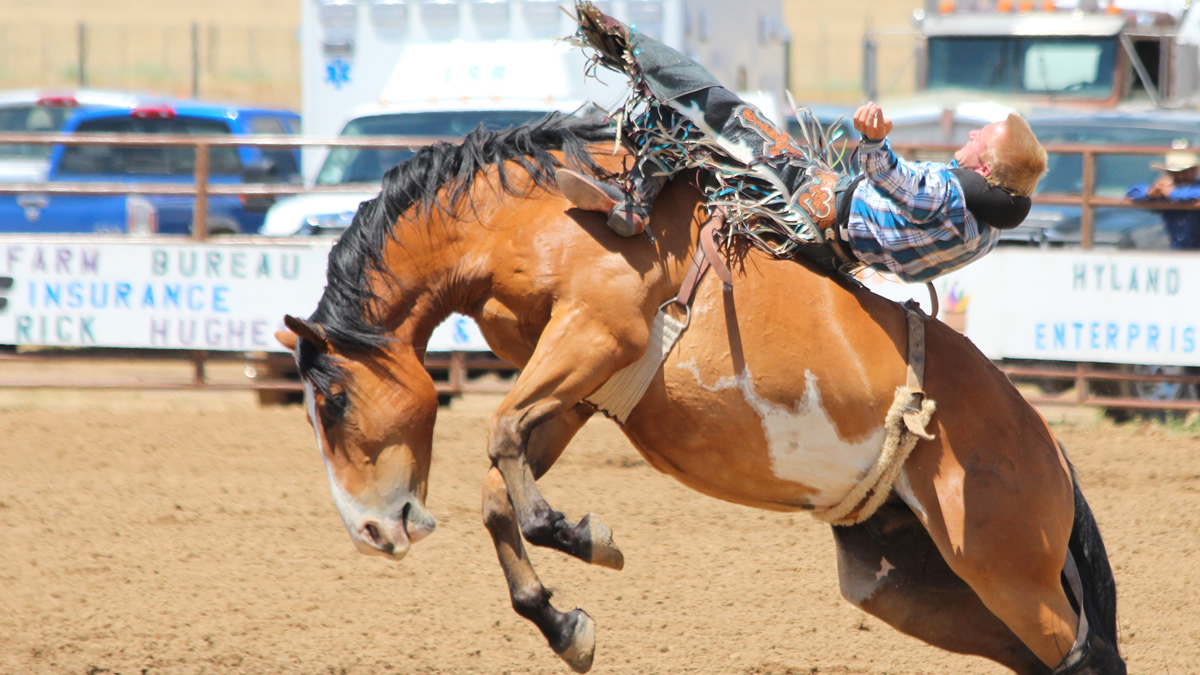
(604, 552)
(581, 647)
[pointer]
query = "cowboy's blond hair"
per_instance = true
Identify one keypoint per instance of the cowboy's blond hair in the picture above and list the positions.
(1017, 160)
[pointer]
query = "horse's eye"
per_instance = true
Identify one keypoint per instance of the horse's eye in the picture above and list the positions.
(335, 405)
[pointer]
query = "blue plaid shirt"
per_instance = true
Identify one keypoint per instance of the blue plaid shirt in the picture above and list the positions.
(911, 218)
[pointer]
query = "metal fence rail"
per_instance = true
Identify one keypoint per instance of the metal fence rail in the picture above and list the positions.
(264, 371)
(455, 373)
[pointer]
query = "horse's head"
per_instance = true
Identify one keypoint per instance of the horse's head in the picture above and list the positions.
(373, 413)
(392, 277)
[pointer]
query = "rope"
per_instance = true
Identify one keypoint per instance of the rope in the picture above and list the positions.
(862, 501)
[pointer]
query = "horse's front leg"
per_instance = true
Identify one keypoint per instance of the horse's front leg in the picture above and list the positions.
(572, 635)
(589, 539)
(535, 421)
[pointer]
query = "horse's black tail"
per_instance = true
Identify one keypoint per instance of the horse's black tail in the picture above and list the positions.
(1099, 588)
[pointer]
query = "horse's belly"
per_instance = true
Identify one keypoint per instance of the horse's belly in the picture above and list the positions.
(797, 443)
(804, 448)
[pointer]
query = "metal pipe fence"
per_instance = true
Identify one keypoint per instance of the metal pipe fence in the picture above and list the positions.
(270, 370)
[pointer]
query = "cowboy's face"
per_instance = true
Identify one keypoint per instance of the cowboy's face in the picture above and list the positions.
(1186, 176)
(970, 156)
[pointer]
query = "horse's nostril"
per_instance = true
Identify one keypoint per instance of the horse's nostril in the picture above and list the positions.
(372, 532)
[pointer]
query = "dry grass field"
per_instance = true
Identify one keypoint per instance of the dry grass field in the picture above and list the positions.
(248, 50)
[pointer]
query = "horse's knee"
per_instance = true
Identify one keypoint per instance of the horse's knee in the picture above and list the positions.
(530, 602)
(504, 437)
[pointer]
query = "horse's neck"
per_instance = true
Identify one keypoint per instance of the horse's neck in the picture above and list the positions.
(416, 297)
(440, 262)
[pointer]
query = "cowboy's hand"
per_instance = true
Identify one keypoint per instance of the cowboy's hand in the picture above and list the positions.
(1161, 189)
(870, 122)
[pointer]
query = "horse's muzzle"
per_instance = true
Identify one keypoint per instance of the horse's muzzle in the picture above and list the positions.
(392, 537)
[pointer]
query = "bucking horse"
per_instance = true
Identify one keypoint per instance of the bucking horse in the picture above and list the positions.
(789, 388)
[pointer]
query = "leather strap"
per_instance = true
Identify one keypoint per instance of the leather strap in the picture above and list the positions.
(691, 280)
(834, 241)
(708, 243)
(705, 255)
(916, 370)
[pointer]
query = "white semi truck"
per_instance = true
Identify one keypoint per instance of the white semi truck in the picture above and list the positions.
(978, 59)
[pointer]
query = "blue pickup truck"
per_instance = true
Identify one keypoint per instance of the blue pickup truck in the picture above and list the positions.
(45, 213)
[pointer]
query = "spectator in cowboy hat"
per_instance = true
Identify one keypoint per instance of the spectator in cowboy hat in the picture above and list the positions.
(1179, 183)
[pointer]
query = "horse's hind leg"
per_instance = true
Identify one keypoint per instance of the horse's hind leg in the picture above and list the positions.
(1001, 511)
(889, 567)
(572, 634)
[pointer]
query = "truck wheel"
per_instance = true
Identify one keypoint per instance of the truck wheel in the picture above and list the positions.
(1162, 391)
(219, 227)
(1148, 391)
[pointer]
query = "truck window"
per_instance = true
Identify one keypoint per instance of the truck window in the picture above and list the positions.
(1060, 66)
(148, 160)
(31, 117)
(285, 160)
(1149, 52)
(1066, 67)
(364, 165)
(1115, 173)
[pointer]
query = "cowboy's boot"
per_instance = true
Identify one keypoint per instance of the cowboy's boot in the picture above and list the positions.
(625, 216)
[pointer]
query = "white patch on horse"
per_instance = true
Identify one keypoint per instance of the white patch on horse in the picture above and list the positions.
(803, 441)
(352, 512)
(884, 568)
(723, 383)
(857, 581)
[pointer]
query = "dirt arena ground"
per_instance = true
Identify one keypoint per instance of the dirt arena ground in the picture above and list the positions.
(194, 533)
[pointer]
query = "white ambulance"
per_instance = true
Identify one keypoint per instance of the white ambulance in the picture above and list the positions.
(421, 68)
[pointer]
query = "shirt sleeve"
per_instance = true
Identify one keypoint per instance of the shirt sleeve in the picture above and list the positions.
(1138, 192)
(921, 191)
(1185, 193)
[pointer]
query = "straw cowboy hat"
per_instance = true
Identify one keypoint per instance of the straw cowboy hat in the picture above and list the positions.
(1178, 160)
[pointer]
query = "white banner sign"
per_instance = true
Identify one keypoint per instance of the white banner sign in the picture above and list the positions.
(73, 292)
(1107, 307)
(1115, 307)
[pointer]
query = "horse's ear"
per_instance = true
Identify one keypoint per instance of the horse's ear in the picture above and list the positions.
(303, 329)
(286, 338)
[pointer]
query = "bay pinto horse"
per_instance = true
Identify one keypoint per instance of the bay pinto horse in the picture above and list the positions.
(774, 397)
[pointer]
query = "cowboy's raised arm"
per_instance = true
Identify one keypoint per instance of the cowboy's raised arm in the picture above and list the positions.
(921, 191)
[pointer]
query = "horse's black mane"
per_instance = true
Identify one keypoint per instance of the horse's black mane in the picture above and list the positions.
(438, 177)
